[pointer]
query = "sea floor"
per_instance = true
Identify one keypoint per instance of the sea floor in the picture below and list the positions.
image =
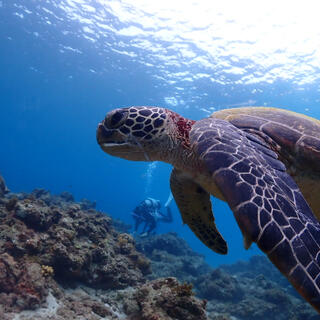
(61, 259)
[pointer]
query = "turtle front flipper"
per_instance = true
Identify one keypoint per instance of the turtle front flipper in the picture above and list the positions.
(267, 204)
(195, 208)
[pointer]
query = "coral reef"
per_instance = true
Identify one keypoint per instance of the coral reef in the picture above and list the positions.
(171, 256)
(162, 299)
(60, 259)
(121, 226)
(64, 260)
(79, 245)
(219, 285)
(62, 200)
(3, 187)
(246, 290)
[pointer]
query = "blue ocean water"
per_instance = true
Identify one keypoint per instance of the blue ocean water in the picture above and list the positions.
(64, 64)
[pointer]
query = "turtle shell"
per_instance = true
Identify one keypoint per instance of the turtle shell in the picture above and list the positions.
(294, 136)
(297, 135)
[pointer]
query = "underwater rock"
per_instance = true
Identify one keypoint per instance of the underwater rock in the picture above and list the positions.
(58, 261)
(121, 226)
(63, 200)
(61, 261)
(166, 299)
(77, 245)
(169, 242)
(3, 188)
(219, 285)
(22, 286)
(86, 204)
(246, 290)
(36, 215)
(172, 256)
(66, 196)
(161, 299)
(255, 266)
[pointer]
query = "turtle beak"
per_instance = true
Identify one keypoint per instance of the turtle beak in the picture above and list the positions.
(115, 143)
(103, 135)
(110, 140)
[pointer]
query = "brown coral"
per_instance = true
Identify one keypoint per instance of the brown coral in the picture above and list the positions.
(78, 245)
(167, 299)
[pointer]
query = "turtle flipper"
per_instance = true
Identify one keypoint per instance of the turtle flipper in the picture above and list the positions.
(195, 207)
(267, 204)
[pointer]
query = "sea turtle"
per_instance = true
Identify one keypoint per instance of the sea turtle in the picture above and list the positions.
(264, 162)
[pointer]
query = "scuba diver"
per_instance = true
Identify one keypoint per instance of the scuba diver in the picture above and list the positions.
(148, 212)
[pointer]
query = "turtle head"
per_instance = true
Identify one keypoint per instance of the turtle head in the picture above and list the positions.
(139, 133)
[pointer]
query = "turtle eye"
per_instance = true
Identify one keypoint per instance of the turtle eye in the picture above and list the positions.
(116, 118)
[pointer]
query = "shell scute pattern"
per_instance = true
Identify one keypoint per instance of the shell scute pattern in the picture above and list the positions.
(270, 237)
(250, 217)
(249, 178)
(295, 136)
(140, 119)
(283, 186)
(304, 257)
(288, 231)
(313, 270)
(266, 203)
(158, 123)
(145, 112)
(282, 134)
(264, 217)
(279, 218)
(139, 133)
(277, 226)
(248, 121)
(296, 225)
(241, 166)
(290, 263)
(314, 233)
(258, 201)
(148, 128)
(124, 130)
(140, 122)
(259, 191)
(137, 126)
(129, 122)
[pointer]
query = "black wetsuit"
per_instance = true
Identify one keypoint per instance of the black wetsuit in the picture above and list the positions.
(147, 212)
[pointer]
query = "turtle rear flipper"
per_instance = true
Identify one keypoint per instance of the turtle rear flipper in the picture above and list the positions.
(195, 208)
(267, 204)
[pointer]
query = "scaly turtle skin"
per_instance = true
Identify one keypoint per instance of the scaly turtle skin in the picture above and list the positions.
(264, 162)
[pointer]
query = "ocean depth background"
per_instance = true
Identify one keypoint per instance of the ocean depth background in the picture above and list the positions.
(65, 64)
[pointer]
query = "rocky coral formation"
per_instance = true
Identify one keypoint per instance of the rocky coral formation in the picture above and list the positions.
(3, 187)
(162, 299)
(257, 266)
(171, 256)
(121, 226)
(62, 200)
(219, 285)
(64, 260)
(79, 245)
(247, 290)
